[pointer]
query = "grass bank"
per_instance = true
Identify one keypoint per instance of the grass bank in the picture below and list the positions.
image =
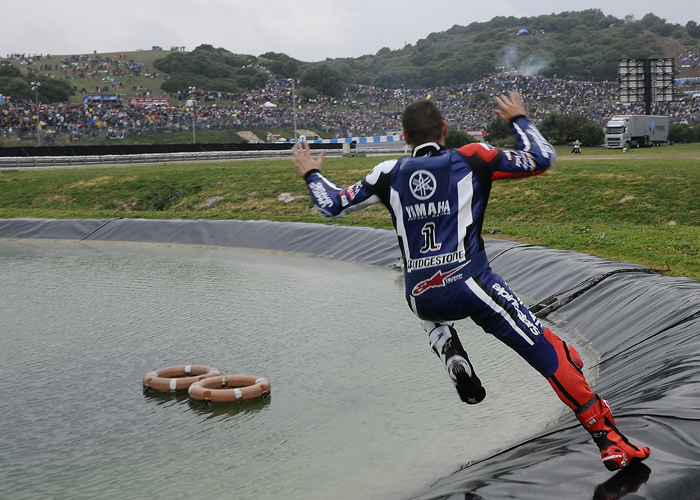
(642, 206)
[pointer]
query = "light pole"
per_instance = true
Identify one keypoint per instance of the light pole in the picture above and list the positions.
(35, 88)
(194, 102)
(294, 105)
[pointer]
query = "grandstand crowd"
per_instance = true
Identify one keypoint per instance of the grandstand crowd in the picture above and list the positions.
(689, 60)
(361, 110)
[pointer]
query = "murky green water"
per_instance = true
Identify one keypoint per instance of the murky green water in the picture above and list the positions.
(360, 407)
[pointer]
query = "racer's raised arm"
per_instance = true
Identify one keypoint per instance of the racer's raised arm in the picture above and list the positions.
(332, 201)
(533, 154)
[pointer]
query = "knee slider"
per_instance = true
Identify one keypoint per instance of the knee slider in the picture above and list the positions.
(575, 356)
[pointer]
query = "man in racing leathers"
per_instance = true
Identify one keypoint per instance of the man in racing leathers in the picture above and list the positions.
(437, 199)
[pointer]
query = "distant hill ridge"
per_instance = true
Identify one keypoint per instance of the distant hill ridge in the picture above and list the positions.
(578, 45)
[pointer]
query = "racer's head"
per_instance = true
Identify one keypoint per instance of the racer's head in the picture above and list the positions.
(422, 122)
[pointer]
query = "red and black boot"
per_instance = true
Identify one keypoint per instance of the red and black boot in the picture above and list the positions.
(615, 449)
(570, 385)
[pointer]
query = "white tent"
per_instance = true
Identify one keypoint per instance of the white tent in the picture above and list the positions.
(268, 104)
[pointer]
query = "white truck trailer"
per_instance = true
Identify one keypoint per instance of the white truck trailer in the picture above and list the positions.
(636, 131)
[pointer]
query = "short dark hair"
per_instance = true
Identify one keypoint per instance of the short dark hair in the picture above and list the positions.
(422, 122)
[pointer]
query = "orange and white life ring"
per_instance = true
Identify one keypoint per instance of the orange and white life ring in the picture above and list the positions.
(229, 389)
(177, 378)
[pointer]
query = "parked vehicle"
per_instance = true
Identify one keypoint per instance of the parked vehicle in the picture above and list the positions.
(636, 131)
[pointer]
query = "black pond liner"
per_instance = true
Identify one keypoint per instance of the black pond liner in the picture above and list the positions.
(643, 326)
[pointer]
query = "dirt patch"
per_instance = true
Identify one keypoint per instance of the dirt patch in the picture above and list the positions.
(672, 48)
(250, 137)
(92, 182)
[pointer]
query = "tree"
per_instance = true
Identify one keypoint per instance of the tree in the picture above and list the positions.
(307, 93)
(680, 132)
(650, 20)
(10, 71)
(666, 30)
(499, 133)
(324, 78)
(457, 138)
(676, 132)
(211, 69)
(281, 64)
(20, 87)
(693, 29)
(591, 134)
(17, 88)
(52, 90)
(565, 129)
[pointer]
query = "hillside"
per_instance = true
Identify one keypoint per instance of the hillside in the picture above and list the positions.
(577, 45)
(671, 48)
(91, 72)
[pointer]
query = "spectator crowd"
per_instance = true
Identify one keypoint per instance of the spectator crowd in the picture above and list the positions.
(689, 60)
(360, 110)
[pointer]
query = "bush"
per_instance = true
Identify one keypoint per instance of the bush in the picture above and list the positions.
(323, 78)
(456, 139)
(20, 87)
(498, 130)
(10, 71)
(481, 97)
(307, 93)
(210, 69)
(693, 29)
(565, 129)
(680, 132)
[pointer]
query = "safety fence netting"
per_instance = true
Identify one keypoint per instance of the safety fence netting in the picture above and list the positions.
(640, 331)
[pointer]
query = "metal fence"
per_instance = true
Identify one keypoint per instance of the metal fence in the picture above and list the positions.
(68, 161)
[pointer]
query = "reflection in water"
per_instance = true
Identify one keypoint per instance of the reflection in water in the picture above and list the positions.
(360, 407)
(165, 397)
(224, 410)
(625, 481)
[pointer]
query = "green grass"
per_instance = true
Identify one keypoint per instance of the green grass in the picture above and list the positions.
(642, 206)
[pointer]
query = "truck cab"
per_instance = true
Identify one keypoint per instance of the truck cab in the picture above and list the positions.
(616, 133)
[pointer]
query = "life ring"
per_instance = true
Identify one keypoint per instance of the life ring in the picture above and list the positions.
(229, 389)
(177, 378)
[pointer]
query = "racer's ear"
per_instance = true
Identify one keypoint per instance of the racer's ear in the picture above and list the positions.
(444, 128)
(407, 139)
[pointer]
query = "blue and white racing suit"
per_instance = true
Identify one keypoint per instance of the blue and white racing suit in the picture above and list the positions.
(437, 199)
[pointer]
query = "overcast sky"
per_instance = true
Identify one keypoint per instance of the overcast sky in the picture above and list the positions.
(309, 30)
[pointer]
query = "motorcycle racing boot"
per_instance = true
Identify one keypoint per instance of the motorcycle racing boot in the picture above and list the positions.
(616, 450)
(446, 344)
(465, 380)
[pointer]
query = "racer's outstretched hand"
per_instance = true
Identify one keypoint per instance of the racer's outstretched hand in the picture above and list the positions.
(302, 159)
(511, 106)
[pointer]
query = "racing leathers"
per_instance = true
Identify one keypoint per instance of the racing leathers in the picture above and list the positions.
(437, 199)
